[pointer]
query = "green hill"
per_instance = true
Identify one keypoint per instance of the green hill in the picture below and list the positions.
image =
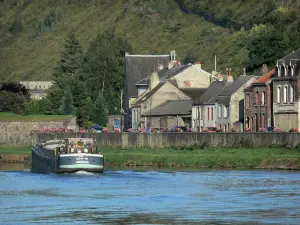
(32, 32)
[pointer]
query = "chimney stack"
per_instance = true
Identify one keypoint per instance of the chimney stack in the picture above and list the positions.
(229, 76)
(198, 64)
(264, 69)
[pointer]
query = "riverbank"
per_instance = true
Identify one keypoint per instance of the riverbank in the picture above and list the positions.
(241, 158)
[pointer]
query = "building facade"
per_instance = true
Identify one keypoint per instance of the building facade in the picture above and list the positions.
(230, 103)
(259, 103)
(37, 89)
(286, 92)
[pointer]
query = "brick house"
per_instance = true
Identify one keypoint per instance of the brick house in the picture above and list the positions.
(286, 92)
(258, 103)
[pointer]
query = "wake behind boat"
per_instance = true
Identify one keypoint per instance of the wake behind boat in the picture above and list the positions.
(69, 155)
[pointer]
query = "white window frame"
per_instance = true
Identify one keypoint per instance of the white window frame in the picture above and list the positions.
(278, 94)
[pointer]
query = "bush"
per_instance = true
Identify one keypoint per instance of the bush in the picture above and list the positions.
(293, 130)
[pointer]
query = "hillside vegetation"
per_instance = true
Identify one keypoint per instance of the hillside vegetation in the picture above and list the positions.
(241, 33)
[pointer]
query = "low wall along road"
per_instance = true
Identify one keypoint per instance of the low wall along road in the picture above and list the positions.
(164, 140)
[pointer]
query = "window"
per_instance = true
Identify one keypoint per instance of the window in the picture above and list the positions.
(220, 111)
(292, 98)
(278, 94)
(201, 113)
(263, 98)
(208, 113)
(197, 113)
(247, 101)
(226, 111)
(212, 113)
(256, 98)
(262, 123)
(285, 94)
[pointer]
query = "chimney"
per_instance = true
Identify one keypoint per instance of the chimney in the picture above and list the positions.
(161, 66)
(229, 77)
(244, 72)
(264, 69)
(198, 64)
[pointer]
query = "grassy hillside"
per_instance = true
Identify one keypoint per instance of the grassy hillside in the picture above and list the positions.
(32, 32)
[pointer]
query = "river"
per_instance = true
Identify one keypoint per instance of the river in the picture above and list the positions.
(149, 196)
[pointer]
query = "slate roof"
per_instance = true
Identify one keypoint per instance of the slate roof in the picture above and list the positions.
(293, 55)
(225, 95)
(210, 95)
(171, 107)
(164, 74)
(137, 67)
(232, 87)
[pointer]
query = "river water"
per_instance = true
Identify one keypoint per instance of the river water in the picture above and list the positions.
(149, 196)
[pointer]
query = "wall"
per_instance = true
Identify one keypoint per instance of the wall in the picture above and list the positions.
(20, 132)
(183, 139)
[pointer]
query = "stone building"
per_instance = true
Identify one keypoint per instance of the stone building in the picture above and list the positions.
(137, 68)
(37, 89)
(230, 103)
(286, 92)
(175, 82)
(259, 103)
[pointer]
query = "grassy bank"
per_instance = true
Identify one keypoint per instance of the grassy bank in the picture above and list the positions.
(268, 158)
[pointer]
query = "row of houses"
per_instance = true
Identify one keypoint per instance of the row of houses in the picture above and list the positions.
(159, 92)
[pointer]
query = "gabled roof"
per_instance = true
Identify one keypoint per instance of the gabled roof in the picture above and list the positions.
(143, 82)
(171, 107)
(231, 88)
(293, 55)
(211, 94)
(137, 67)
(166, 73)
(266, 78)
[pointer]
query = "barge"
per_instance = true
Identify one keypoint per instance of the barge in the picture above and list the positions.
(65, 156)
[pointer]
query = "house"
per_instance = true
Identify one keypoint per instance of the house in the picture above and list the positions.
(230, 103)
(204, 107)
(170, 113)
(176, 82)
(259, 103)
(286, 88)
(142, 108)
(138, 67)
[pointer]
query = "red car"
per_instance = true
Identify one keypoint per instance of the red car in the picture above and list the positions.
(211, 129)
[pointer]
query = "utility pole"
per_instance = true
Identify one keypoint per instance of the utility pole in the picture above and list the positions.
(121, 111)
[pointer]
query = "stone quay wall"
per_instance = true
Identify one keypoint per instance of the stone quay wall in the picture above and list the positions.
(165, 140)
(21, 132)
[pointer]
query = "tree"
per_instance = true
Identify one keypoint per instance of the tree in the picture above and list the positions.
(12, 97)
(101, 112)
(265, 48)
(70, 62)
(104, 67)
(67, 106)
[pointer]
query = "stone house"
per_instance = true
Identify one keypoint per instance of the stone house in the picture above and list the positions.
(259, 103)
(138, 67)
(204, 107)
(170, 113)
(286, 89)
(176, 82)
(230, 103)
